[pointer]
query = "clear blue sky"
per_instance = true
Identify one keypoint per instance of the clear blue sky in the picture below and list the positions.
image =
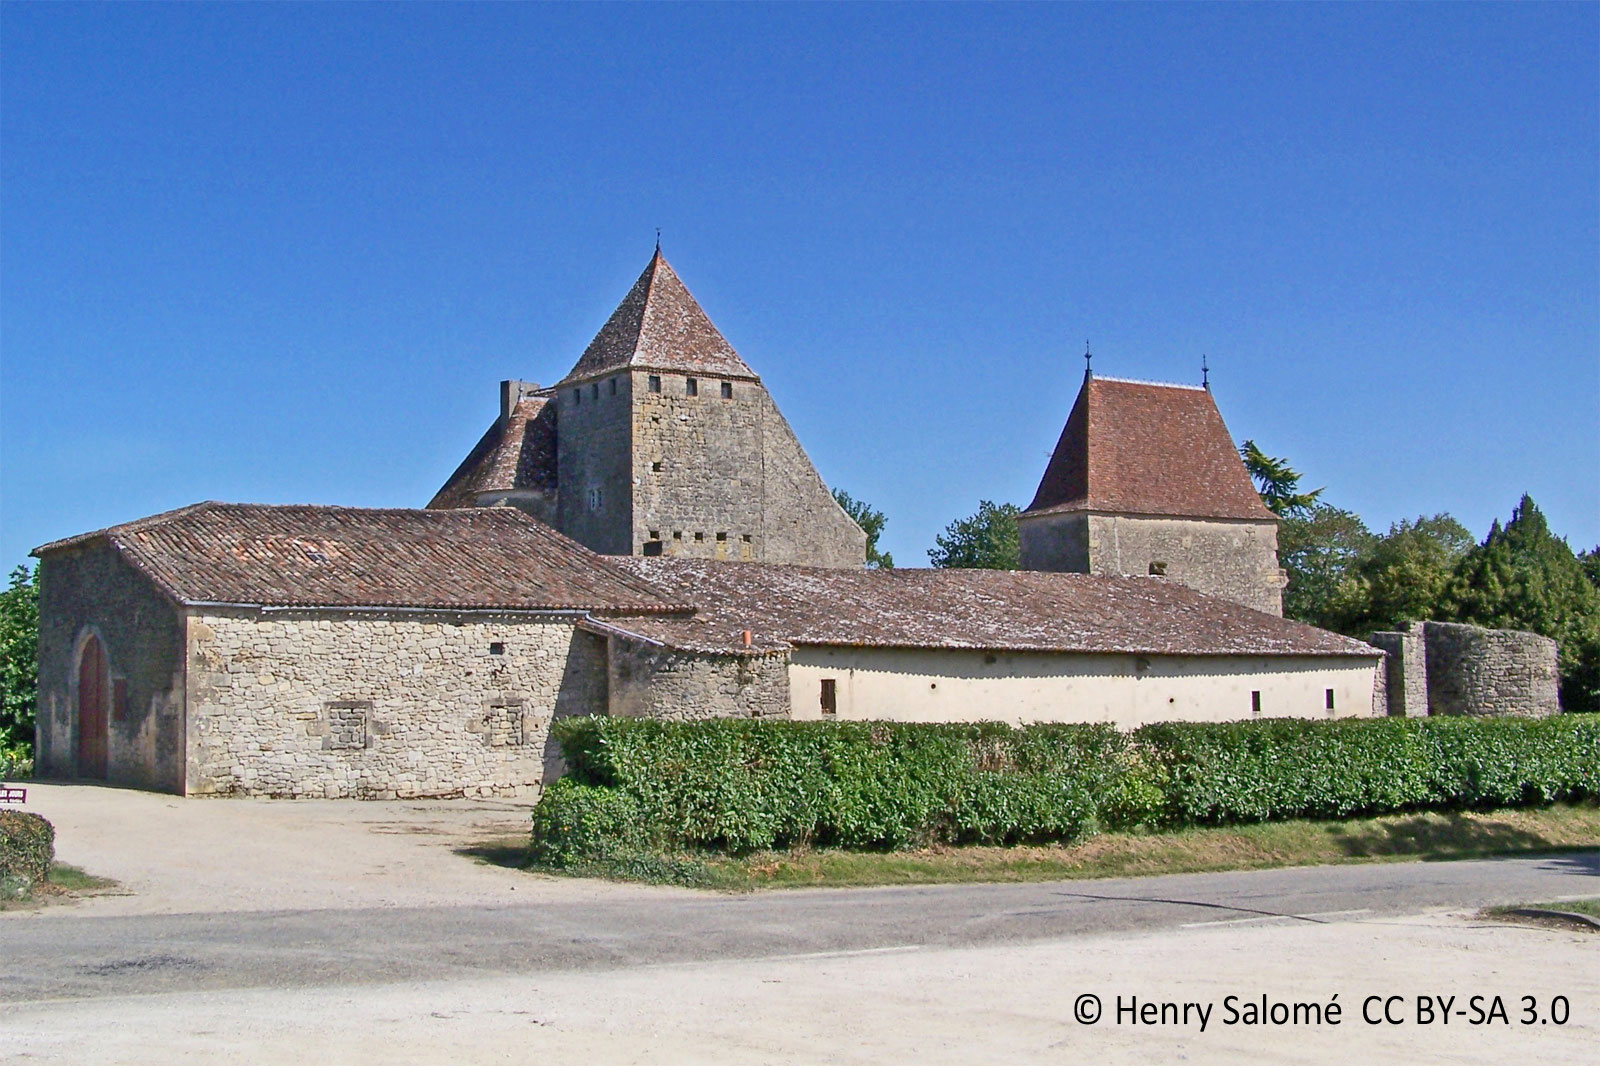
(285, 253)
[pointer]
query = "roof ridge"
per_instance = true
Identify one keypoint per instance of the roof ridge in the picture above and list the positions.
(1146, 381)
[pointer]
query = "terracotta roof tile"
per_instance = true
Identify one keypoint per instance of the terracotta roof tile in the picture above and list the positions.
(1134, 447)
(517, 452)
(660, 326)
(493, 557)
(982, 609)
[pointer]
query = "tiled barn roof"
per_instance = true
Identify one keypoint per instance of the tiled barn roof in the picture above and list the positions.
(311, 556)
(1134, 447)
(517, 452)
(981, 609)
(660, 326)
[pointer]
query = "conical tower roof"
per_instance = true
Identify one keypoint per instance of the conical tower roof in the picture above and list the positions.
(659, 326)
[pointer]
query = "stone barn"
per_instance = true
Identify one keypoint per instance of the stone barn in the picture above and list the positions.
(330, 651)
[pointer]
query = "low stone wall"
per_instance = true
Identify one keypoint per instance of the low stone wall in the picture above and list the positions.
(381, 706)
(648, 681)
(1476, 671)
(1450, 668)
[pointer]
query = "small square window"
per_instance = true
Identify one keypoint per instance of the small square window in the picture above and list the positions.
(745, 537)
(699, 536)
(691, 387)
(656, 466)
(722, 536)
(727, 390)
(496, 648)
(655, 534)
(677, 534)
(1158, 569)
(655, 382)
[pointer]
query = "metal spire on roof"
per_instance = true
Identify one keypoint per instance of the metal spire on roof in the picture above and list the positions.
(658, 240)
(1088, 361)
(1205, 373)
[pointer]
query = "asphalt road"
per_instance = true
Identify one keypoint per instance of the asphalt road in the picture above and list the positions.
(57, 955)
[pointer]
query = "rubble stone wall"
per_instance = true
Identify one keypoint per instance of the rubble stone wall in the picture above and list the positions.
(647, 681)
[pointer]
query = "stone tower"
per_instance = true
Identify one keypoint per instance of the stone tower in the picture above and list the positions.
(1146, 480)
(660, 441)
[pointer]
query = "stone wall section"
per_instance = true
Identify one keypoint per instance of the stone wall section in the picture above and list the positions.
(697, 468)
(649, 681)
(92, 589)
(594, 467)
(803, 523)
(1403, 679)
(381, 705)
(1476, 671)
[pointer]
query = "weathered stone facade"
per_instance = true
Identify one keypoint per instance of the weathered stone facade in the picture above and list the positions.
(1449, 668)
(93, 591)
(381, 705)
(649, 681)
(1237, 560)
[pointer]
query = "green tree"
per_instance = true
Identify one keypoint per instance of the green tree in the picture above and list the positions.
(1525, 577)
(1322, 549)
(19, 659)
(1591, 565)
(987, 540)
(1277, 482)
(871, 522)
(1408, 574)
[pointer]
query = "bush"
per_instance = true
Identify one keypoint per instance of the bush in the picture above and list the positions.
(643, 787)
(16, 763)
(27, 846)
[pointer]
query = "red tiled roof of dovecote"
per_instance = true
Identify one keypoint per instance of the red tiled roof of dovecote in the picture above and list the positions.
(517, 452)
(999, 610)
(660, 326)
(1135, 447)
(313, 556)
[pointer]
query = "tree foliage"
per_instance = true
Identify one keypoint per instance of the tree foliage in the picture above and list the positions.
(1277, 482)
(19, 659)
(1322, 550)
(1407, 574)
(987, 540)
(871, 522)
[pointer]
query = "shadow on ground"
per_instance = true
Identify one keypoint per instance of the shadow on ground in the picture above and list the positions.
(1448, 835)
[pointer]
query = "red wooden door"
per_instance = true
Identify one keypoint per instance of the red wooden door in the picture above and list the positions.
(92, 710)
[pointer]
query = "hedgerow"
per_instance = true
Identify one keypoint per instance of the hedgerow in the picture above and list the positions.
(645, 787)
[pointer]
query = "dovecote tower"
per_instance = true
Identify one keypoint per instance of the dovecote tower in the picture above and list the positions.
(1146, 480)
(660, 441)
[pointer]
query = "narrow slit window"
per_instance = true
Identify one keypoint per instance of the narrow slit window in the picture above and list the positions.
(830, 697)
(577, 397)
(613, 386)
(691, 387)
(1255, 704)
(594, 391)
(1329, 699)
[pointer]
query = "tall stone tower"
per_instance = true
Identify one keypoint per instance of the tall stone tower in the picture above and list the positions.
(660, 441)
(1146, 480)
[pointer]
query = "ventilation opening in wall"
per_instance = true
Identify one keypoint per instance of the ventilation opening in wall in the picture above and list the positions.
(699, 536)
(677, 534)
(691, 387)
(497, 648)
(1158, 569)
(656, 466)
(830, 697)
(1328, 699)
(1255, 704)
(727, 390)
(722, 536)
(745, 537)
(655, 383)
(651, 547)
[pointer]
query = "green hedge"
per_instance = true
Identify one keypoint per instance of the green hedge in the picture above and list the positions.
(638, 786)
(27, 846)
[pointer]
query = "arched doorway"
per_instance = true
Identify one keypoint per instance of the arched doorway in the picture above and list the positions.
(92, 697)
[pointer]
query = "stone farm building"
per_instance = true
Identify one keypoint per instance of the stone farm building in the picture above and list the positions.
(649, 538)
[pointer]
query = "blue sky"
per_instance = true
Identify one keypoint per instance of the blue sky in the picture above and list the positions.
(285, 253)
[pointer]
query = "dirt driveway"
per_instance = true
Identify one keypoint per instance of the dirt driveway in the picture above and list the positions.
(173, 855)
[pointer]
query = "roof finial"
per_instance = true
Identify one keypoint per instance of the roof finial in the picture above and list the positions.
(658, 240)
(1205, 373)
(1088, 362)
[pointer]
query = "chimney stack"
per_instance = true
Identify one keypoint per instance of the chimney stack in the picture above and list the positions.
(511, 393)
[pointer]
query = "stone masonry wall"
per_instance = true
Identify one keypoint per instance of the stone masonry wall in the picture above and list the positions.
(357, 704)
(802, 521)
(1476, 671)
(593, 466)
(1237, 561)
(92, 589)
(1404, 676)
(1058, 543)
(647, 681)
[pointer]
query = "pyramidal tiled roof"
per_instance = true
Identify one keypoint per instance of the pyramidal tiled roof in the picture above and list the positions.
(660, 326)
(1136, 447)
(516, 452)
